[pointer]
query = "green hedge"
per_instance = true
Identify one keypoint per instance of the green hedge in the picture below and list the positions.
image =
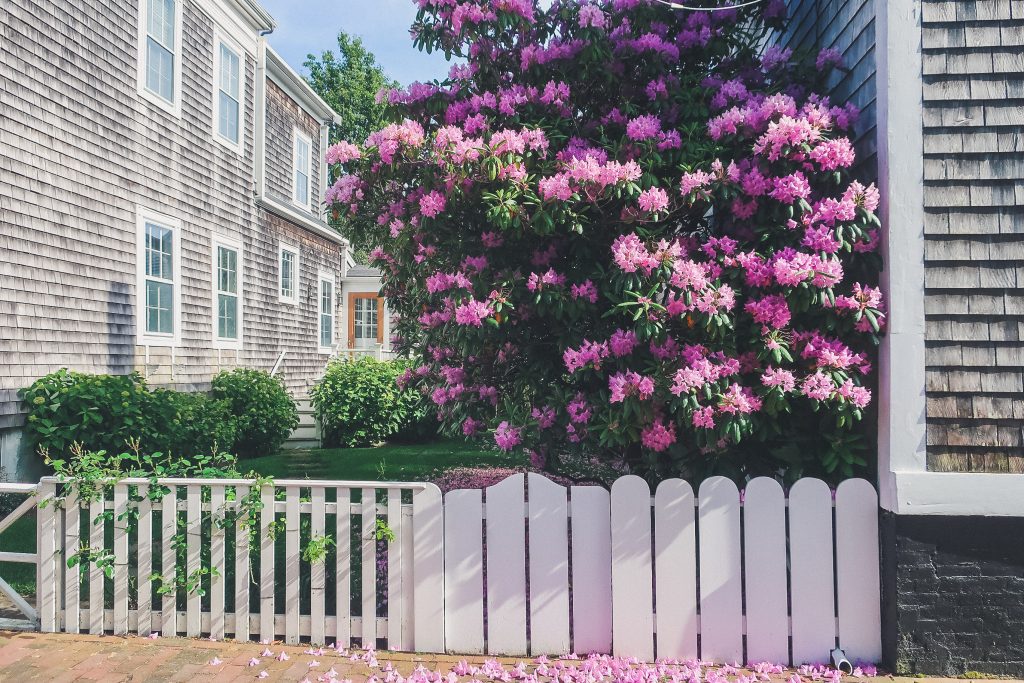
(358, 403)
(247, 413)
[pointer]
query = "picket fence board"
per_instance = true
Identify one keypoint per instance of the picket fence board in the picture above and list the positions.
(640, 566)
(318, 569)
(591, 569)
(632, 592)
(120, 524)
(267, 518)
(812, 595)
(343, 567)
(291, 565)
(428, 552)
(675, 570)
(721, 597)
(463, 571)
(168, 530)
(369, 578)
(218, 566)
(72, 575)
(243, 577)
(860, 618)
(764, 538)
(506, 567)
(549, 566)
(97, 542)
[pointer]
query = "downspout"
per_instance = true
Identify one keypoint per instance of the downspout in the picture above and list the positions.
(260, 114)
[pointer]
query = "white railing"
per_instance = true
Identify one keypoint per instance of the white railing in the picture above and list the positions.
(523, 567)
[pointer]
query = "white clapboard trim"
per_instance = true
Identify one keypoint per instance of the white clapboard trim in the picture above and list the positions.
(194, 543)
(408, 582)
(764, 539)
(632, 569)
(721, 592)
(369, 569)
(243, 576)
(218, 566)
(267, 518)
(810, 548)
(120, 559)
(428, 554)
(860, 619)
(168, 562)
(291, 565)
(591, 570)
(48, 574)
(463, 571)
(343, 568)
(395, 568)
(73, 575)
(506, 567)
(675, 571)
(549, 566)
(318, 569)
(97, 544)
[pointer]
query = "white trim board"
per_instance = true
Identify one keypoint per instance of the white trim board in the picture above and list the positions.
(954, 493)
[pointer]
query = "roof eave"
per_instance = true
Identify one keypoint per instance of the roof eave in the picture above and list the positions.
(297, 87)
(254, 14)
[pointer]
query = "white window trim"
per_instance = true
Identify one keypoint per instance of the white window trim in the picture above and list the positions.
(142, 337)
(296, 136)
(321, 277)
(174, 107)
(294, 299)
(218, 40)
(228, 243)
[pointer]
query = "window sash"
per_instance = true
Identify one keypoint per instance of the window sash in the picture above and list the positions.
(160, 47)
(365, 318)
(326, 313)
(159, 279)
(227, 293)
(229, 94)
(287, 281)
(302, 152)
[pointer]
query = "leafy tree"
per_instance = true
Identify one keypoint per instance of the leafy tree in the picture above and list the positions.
(349, 81)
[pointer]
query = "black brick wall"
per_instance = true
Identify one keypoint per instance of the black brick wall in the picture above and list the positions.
(954, 594)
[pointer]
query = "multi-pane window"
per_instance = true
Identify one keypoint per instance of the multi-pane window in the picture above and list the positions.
(229, 94)
(158, 309)
(365, 323)
(289, 275)
(303, 166)
(326, 312)
(160, 48)
(226, 290)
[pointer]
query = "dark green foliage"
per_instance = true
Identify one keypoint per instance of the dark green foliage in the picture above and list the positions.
(100, 411)
(358, 402)
(187, 425)
(264, 412)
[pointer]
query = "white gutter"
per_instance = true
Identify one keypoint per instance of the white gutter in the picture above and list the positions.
(284, 211)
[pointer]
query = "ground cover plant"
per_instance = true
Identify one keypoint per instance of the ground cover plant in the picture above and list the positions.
(626, 230)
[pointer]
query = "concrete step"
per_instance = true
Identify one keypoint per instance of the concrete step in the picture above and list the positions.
(307, 431)
(295, 444)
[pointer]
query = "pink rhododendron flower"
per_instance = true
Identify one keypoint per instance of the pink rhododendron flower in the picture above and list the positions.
(507, 437)
(658, 436)
(653, 200)
(432, 204)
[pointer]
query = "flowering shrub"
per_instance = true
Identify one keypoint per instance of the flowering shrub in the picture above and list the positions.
(622, 229)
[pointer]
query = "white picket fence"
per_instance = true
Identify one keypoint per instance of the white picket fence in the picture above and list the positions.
(524, 567)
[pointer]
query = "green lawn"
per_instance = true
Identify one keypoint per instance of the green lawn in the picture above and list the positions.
(392, 462)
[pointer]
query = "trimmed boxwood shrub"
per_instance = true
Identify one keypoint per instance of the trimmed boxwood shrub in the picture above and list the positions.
(264, 412)
(358, 402)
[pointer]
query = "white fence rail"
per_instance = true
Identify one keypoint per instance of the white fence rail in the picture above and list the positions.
(524, 567)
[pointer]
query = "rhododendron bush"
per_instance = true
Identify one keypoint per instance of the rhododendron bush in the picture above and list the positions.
(626, 231)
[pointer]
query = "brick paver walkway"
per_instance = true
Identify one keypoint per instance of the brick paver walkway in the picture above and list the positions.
(62, 658)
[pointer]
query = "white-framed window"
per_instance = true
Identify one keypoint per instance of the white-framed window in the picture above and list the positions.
(325, 304)
(158, 284)
(228, 93)
(227, 292)
(159, 68)
(288, 274)
(302, 169)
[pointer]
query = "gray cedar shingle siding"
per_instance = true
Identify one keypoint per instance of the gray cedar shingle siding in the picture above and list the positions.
(973, 91)
(847, 26)
(283, 117)
(79, 149)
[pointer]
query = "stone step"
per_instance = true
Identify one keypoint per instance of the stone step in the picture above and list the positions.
(296, 444)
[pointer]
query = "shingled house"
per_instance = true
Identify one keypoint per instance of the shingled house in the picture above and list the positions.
(941, 84)
(160, 203)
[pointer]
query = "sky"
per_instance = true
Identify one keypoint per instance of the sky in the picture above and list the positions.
(305, 26)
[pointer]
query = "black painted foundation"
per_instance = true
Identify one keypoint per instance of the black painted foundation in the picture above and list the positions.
(953, 595)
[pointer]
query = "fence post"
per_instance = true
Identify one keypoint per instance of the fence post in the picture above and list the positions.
(47, 575)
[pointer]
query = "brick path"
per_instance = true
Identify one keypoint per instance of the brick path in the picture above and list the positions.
(62, 658)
